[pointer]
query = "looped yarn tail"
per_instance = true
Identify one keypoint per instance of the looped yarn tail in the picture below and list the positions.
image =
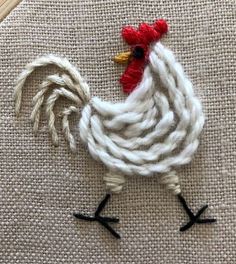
(69, 85)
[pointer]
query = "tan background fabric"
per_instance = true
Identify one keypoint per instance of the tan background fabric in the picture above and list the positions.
(42, 185)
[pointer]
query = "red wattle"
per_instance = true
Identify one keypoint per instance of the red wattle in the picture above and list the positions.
(132, 75)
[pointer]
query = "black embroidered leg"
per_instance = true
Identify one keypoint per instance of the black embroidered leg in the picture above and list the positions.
(194, 219)
(101, 219)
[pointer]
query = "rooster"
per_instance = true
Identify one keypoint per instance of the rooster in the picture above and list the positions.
(154, 131)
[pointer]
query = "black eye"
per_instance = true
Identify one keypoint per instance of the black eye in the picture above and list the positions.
(138, 52)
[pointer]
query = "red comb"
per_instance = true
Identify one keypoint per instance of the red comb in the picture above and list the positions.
(145, 34)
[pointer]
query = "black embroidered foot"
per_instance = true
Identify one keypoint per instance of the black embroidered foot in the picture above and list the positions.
(194, 219)
(101, 219)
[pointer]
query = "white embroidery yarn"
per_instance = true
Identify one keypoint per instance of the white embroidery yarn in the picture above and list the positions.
(151, 133)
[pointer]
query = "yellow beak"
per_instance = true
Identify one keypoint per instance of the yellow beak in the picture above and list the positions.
(122, 58)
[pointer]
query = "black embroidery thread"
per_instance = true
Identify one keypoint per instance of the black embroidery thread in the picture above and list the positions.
(103, 220)
(194, 219)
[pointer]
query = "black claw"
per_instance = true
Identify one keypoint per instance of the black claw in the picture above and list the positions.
(194, 219)
(84, 217)
(205, 221)
(201, 211)
(109, 219)
(103, 220)
(187, 226)
(109, 228)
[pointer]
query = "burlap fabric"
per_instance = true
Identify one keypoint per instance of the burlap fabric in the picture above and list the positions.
(42, 185)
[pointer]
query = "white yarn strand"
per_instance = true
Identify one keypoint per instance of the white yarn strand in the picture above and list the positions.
(50, 113)
(66, 127)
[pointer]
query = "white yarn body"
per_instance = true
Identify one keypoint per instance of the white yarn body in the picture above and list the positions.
(151, 133)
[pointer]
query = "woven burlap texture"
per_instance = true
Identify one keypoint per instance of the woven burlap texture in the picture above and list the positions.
(41, 186)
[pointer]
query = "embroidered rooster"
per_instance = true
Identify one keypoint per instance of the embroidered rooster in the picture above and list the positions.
(151, 133)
